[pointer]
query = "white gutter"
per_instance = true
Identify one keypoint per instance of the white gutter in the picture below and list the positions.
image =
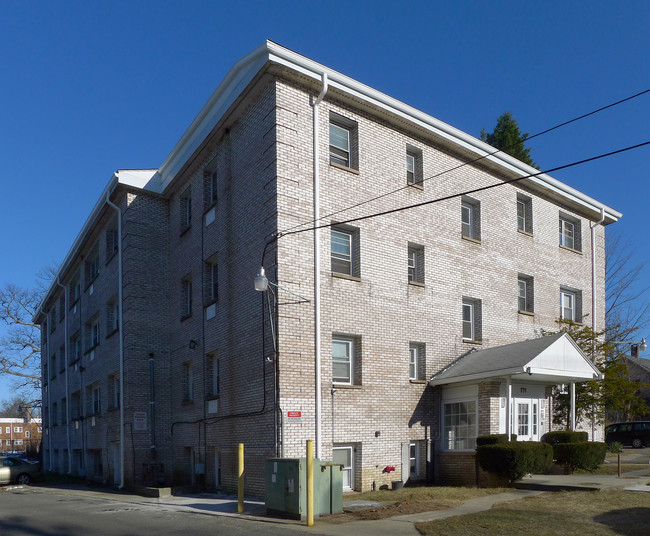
(317, 330)
(593, 226)
(67, 385)
(121, 329)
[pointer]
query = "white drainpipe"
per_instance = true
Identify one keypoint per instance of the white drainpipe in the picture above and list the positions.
(67, 385)
(317, 334)
(121, 329)
(593, 226)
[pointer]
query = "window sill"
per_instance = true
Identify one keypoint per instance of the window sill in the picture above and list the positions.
(525, 233)
(345, 276)
(470, 341)
(419, 382)
(185, 230)
(91, 349)
(213, 397)
(112, 333)
(470, 239)
(416, 185)
(416, 284)
(186, 316)
(209, 207)
(571, 249)
(209, 302)
(187, 402)
(346, 386)
(526, 313)
(344, 168)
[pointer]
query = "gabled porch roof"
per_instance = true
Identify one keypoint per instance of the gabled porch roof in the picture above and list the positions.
(552, 359)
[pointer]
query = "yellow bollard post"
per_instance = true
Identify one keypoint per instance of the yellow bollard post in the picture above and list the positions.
(310, 483)
(240, 480)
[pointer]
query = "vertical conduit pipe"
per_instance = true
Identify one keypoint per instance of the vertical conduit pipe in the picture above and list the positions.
(317, 331)
(120, 284)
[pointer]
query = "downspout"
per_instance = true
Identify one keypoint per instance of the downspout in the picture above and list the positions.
(508, 407)
(593, 226)
(49, 395)
(121, 329)
(67, 385)
(317, 331)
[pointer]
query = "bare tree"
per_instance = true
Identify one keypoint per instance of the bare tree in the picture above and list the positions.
(20, 345)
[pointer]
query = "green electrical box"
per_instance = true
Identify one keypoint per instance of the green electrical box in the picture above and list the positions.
(286, 487)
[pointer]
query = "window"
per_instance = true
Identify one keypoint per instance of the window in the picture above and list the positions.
(416, 361)
(75, 289)
(75, 348)
(343, 141)
(95, 400)
(415, 263)
(471, 319)
(214, 372)
(570, 305)
(92, 265)
(75, 405)
(28, 434)
(188, 380)
(570, 234)
(186, 297)
(112, 316)
(114, 391)
(524, 214)
(210, 188)
(185, 202)
(92, 333)
(53, 367)
(18, 429)
(344, 455)
(525, 293)
(211, 280)
(62, 307)
(64, 410)
(112, 242)
(62, 359)
(460, 425)
(346, 360)
(414, 466)
(414, 166)
(55, 413)
(470, 218)
(345, 251)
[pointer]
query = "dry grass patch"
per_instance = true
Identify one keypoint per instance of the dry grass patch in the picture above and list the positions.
(607, 512)
(612, 469)
(410, 501)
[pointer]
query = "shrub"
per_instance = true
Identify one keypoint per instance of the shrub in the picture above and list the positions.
(587, 455)
(494, 439)
(564, 436)
(515, 460)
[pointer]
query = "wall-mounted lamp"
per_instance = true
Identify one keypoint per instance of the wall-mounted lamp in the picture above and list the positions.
(193, 344)
(261, 282)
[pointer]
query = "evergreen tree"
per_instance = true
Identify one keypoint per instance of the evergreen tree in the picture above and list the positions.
(508, 138)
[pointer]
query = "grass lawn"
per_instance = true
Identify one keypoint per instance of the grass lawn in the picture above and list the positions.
(410, 500)
(608, 512)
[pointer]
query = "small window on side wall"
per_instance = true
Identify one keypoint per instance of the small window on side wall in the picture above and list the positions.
(525, 293)
(343, 141)
(345, 251)
(570, 304)
(415, 263)
(570, 232)
(524, 214)
(471, 314)
(414, 174)
(471, 218)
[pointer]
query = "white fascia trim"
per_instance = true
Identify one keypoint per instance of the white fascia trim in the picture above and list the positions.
(247, 68)
(517, 372)
(479, 376)
(134, 178)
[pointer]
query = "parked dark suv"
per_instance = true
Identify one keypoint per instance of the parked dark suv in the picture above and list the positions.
(636, 434)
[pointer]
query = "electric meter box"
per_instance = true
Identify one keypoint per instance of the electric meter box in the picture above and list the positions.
(286, 487)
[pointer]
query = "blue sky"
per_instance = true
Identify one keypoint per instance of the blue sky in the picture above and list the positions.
(89, 87)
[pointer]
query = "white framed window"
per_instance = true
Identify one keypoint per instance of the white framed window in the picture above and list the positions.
(525, 293)
(343, 361)
(342, 255)
(568, 305)
(18, 429)
(567, 234)
(339, 145)
(411, 171)
(344, 455)
(18, 441)
(471, 319)
(28, 434)
(7, 429)
(415, 263)
(524, 214)
(414, 459)
(413, 362)
(470, 218)
(459, 429)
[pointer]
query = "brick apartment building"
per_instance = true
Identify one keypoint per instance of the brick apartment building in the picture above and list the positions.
(160, 356)
(20, 435)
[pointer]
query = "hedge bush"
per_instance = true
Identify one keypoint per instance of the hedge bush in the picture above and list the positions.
(515, 460)
(564, 436)
(587, 455)
(494, 439)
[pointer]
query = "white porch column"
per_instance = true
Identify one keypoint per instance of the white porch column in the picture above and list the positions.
(573, 406)
(508, 406)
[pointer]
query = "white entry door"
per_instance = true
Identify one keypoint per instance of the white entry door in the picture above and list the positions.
(345, 457)
(526, 419)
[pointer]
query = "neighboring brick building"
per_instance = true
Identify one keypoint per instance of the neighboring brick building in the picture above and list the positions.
(179, 348)
(20, 435)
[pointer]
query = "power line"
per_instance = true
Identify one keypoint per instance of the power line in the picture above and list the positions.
(481, 189)
(470, 162)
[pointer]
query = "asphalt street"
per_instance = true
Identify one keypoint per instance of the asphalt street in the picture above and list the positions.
(31, 511)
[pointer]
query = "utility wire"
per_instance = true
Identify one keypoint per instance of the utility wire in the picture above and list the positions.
(481, 189)
(470, 162)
